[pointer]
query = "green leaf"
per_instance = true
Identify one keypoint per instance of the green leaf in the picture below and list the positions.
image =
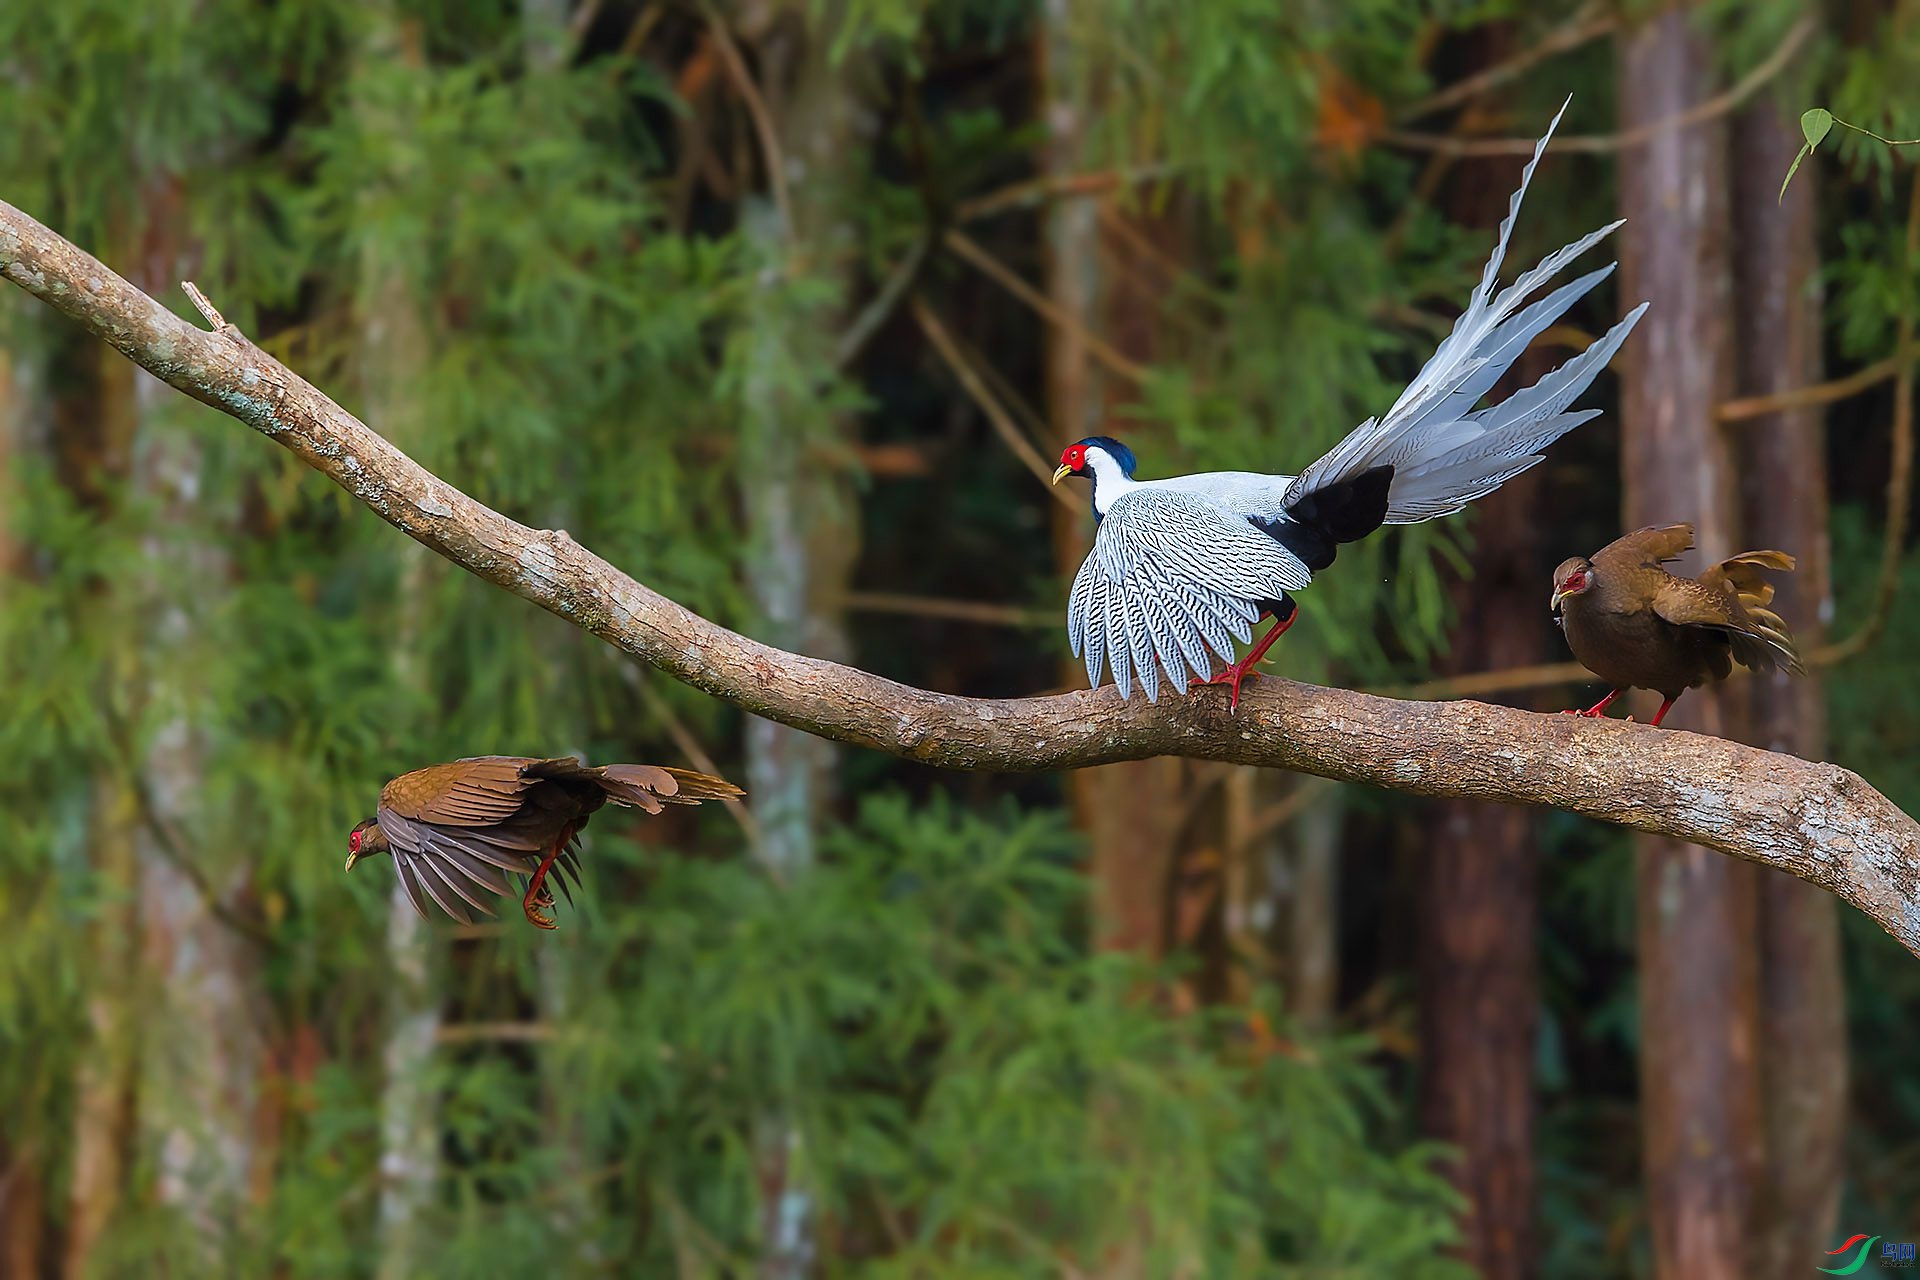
(1793, 169)
(1815, 124)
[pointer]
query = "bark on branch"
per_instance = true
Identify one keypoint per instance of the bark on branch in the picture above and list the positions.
(1818, 822)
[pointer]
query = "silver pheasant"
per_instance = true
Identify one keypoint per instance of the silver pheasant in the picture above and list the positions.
(1181, 568)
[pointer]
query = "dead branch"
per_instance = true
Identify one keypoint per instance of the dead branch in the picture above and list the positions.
(1818, 822)
(1035, 191)
(969, 379)
(1818, 393)
(1607, 143)
(984, 612)
(1590, 23)
(770, 154)
(968, 250)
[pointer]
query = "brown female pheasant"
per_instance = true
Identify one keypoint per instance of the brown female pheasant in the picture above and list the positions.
(453, 828)
(1635, 625)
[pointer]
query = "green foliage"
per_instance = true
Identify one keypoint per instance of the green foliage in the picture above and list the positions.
(972, 1093)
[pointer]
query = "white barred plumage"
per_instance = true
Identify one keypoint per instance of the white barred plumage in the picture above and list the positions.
(1183, 567)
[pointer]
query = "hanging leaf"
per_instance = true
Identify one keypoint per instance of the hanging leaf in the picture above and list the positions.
(1815, 124)
(1791, 170)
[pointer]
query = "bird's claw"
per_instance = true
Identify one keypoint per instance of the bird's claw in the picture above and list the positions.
(1231, 677)
(537, 915)
(539, 904)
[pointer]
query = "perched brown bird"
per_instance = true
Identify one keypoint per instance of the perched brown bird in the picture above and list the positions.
(457, 827)
(1635, 625)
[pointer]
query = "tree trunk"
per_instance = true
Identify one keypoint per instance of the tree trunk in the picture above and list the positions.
(1479, 987)
(1131, 828)
(93, 416)
(199, 1077)
(1697, 915)
(23, 1162)
(1479, 1006)
(1784, 472)
(802, 512)
(1479, 996)
(394, 347)
(1313, 918)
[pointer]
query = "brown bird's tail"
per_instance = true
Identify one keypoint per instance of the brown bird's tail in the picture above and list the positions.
(650, 786)
(695, 787)
(1767, 644)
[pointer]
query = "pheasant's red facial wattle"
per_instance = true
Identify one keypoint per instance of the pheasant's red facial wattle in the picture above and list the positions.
(1575, 583)
(353, 841)
(1073, 462)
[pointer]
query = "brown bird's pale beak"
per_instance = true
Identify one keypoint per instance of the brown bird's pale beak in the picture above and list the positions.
(1061, 473)
(1558, 596)
(351, 859)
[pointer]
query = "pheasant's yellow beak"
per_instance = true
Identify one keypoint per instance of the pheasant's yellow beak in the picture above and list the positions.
(352, 858)
(1061, 473)
(1558, 596)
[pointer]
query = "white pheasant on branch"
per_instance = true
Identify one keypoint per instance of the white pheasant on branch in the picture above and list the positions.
(1183, 567)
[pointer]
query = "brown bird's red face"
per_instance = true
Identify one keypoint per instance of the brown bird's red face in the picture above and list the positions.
(364, 841)
(1573, 577)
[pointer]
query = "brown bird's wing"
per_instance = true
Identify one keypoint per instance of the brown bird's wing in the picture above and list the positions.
(1759, 638)
(1647, 548)
(449, 863)
(462, 793)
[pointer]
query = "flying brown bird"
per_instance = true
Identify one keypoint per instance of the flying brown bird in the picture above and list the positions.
(457, 827)
(1635, 625)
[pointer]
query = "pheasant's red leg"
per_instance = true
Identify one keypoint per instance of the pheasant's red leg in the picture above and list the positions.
(1598, 708)
(1240, 670)
(1661, 714)
(538, 896)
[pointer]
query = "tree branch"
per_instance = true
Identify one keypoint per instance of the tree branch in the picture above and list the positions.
(1606, 143)
(1818, 822)
(1591, 22)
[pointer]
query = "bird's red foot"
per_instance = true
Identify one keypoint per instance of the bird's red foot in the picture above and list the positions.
(538, 904)
(1240, 670)
(1595, 711)
(1232, 676)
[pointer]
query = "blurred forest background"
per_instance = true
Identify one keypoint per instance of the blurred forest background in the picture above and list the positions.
(788, 309)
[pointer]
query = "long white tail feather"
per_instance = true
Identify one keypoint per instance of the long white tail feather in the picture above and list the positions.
(1523, 424)
(1444, 453)
(1508, 342)
(1560, 388)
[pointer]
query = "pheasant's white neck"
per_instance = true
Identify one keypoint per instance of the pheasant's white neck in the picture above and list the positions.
(1110, 483)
